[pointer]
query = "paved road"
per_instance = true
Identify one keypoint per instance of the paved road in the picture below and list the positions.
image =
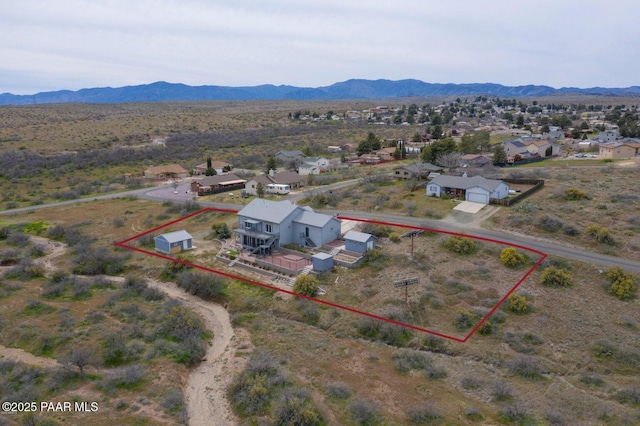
(554, 248)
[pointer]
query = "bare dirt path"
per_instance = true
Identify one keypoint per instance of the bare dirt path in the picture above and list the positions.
(205, 393)
(15, 354)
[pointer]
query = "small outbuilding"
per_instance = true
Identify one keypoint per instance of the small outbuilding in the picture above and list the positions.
(359, 242)
(173, 242)
(322, 262)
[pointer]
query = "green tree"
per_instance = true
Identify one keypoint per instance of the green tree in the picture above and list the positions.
(520, 121)
(437, 148)
(371, 143)
(272, 164)
(499, 155)
(210, 170)
(260, 190)
(306, 285)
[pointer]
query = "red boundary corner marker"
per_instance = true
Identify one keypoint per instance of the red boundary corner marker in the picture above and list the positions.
(124, 244)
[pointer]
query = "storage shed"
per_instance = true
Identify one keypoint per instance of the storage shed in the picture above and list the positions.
(322, 262)
(174, 242)
(359, 242)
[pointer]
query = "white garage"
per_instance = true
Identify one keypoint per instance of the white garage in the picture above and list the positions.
(477, 195)
(475, 189)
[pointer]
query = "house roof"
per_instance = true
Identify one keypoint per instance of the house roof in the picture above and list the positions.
(169, 168)
(290, 154)
(516, 144)
(174, 237)
(420, 168)
(537, 143)
(461, 182)
(267, 210)
(229, 179)
(311, 218)
(360, 237)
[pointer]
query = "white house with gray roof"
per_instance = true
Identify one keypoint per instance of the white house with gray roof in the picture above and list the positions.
(476, 188)
(266, 225)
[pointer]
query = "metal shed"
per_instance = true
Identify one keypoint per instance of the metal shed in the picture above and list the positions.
(322, 262)
(173, 242)
(359, 242)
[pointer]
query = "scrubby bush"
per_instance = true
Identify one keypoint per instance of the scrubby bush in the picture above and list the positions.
(621, 284)
(518, 304)
(574, 194)
(464, 320)
(296, 408)
(306, 285)
(252, 390)
(460, 245)
(377, 230)
(511, 257)
(553, 277)
(526, 366)
(502, 391)
(338, 390)
(98, 261)
(601, 234)
(220, 230)
(205, 286)
(364, 412)
(406, 360)
(516, 414)
(426, 414)
(550, 224)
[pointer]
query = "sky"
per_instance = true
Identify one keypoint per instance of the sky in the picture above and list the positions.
(48, 45)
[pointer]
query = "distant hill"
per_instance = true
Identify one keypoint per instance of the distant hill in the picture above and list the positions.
(351, 89)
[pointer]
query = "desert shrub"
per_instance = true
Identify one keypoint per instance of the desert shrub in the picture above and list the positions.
(296, 408)
(518, 304)
(338, 390)
(621, 283)
(124, 378)
(525, 342)
(364, 412)
(180, 325)
(426, 414)
(502, 391)
(574, 194)
(205, 286)
(394, 237)
(470, 383)
(98, 261)
(628, 396)
(377, 230)
(394, 335)
(436, 344)
(174, 401)
(553, 277)
(464, 320)
(407, 360)
(550, 224)
(600, 234)
(147, 240)
(591, 379)
(473, 413)
(511, 257)
(460, 245)
(570, 230)
(433, 214)
(516, 414)
(375, 258)
(526, 366)
(252, 390)
(369, 327)
(306, 285)
(18, 239)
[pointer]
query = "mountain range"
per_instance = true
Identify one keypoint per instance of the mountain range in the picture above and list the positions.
(350, 89)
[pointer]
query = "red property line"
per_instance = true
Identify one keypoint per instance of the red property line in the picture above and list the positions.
(123, 244)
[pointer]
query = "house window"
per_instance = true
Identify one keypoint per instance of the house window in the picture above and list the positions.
(268, 227)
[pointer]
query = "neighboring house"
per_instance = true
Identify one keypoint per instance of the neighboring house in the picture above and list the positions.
(286, 157)
(217, 183)
(267, 225)
(541, 148)
(608, 136)
(359, 242)
(475, 160)
(173, 242)
(619, 149)
(171, 171)
(514, 147)
(292, 179)
(219, 166)
(476, 189)
(385, 154)
(415, 171)
(320, 162)
(308, 169)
